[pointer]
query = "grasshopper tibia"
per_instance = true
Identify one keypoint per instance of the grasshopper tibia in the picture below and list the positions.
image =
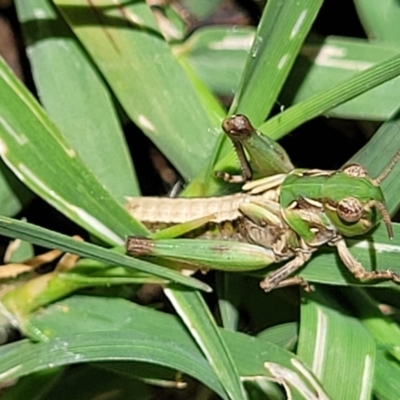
(279, 278)
(358, 270)
(137, 246)
(295, 281)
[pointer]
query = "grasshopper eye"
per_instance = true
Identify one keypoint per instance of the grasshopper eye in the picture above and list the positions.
(355, 171)
(349, 209)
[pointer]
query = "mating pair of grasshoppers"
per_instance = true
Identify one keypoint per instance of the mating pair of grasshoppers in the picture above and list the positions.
(284, 214)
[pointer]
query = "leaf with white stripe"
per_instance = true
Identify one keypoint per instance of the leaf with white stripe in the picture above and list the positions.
(337, 348)
(35, 151)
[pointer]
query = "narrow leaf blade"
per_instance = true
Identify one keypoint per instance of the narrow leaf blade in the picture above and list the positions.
(35, 151)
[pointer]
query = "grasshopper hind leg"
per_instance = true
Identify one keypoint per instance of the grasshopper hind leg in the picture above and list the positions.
(280, 277)
(358, 270)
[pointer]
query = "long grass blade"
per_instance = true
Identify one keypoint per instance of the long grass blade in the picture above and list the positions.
(33, 148)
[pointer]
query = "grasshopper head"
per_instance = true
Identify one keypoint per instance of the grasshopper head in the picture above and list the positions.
(238, 127)
(356, 214)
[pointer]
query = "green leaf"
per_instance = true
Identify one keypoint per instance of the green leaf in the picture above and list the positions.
(14, 195)
(75, 97)
(380, 20)
(86, 328)
(336, 347)
(194, 312)
(386, 141)
(386, 333)
(284, 335)
(317, 104)
(227, 288)
(35, 151)
(218, 55)
(322, 65)
(124, 41)
(387, 383)
(46, 238)
(279, 36)
(105, 345)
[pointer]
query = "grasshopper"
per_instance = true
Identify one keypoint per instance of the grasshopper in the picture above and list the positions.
(284, 214)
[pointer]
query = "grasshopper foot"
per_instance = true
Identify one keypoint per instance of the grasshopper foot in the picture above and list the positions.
(229, 178)
(386, 275)
(378, 275)
(395, 277)
(267, 286)
(279, 278)
(358, 270)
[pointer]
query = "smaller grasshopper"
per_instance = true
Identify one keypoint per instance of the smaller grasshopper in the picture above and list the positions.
(286, 215)
(267, 156)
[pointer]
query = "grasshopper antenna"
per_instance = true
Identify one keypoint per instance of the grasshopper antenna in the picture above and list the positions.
(386, 218)
(377, 181)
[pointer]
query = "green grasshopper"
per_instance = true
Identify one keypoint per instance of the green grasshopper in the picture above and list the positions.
(285, 214)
